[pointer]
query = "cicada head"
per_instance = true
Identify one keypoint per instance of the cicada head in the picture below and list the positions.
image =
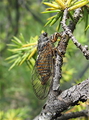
(43, 39)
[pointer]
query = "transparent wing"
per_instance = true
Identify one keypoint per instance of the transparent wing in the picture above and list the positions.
(41, 79)
(40, 90)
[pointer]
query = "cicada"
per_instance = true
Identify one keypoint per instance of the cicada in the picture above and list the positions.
(42, 77)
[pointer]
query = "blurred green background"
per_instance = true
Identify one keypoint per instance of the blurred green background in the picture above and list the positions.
(17, 98)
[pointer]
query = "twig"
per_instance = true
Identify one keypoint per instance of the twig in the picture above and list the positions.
(83, 71)
(83, 113)
(84, 49)
(62, 50)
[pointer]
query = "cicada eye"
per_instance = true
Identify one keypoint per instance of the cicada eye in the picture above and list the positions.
(56, 34)
(45, 34)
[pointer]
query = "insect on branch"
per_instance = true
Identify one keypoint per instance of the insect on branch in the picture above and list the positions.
(57, 103)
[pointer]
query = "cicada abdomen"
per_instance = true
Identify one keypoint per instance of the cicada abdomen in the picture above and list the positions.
(43, 67)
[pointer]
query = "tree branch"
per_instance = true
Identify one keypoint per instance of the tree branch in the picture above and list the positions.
(61, 50)
(83, 113)
(68, 31)
(25, 5)
(83, 71)
(57, 102)
(69, 97)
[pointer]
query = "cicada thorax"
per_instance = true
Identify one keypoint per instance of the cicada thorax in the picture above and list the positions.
(44, 66)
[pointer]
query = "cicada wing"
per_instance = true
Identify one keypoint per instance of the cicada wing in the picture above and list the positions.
(40, 90)
(41, 80)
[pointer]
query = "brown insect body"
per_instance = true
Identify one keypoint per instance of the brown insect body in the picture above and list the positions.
(44, 65)
(44, 62)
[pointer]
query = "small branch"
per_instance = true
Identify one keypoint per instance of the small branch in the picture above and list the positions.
(83, 113)
(25, 5)
(62, 50)
(83, 71)
(76, 19)
(57, 72)
(17, 17)
(84, 49)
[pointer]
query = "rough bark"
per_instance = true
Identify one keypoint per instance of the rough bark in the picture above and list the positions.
(70, 97)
